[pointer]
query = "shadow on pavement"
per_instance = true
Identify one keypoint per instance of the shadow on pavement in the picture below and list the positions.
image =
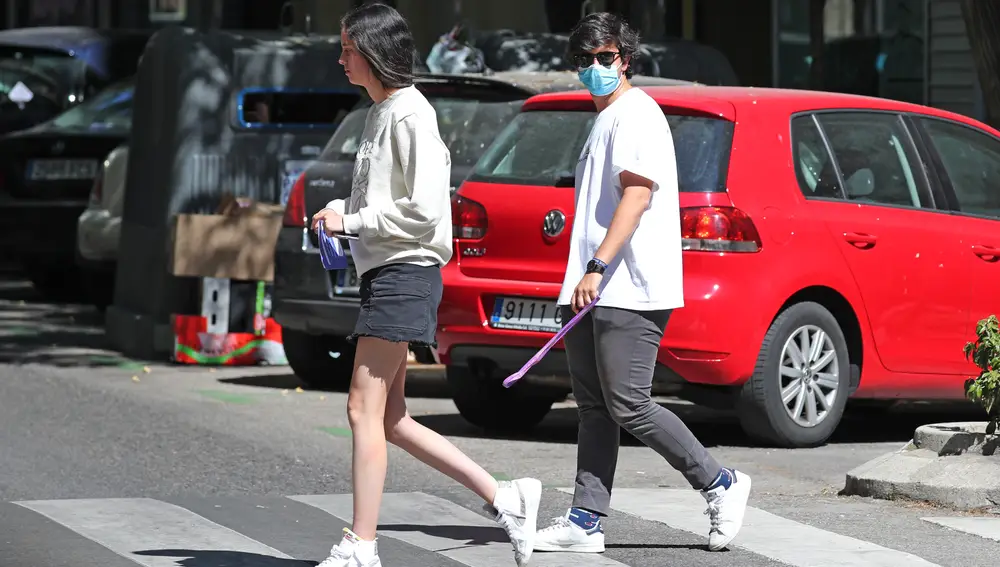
(692, 546)
(422, 381)
(202, 558)
(462, 535)
(722, 429)
(34, 331)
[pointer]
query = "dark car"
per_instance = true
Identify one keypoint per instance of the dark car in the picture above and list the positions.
(318, 309)
(48, 172)
(46, 70)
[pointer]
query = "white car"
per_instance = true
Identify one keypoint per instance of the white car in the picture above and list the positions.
(99, 227)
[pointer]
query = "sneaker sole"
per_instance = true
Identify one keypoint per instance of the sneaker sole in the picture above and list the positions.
(744, 481)
(575, 548)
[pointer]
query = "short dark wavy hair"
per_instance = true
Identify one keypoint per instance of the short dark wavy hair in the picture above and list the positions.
(602, 28)
(383, 38)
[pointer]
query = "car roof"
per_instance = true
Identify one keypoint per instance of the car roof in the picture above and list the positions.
(729, 102)
(64, 38)
(534, 82)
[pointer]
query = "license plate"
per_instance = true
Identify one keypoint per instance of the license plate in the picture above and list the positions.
(61, 169)
(525, 314)
(347, 281)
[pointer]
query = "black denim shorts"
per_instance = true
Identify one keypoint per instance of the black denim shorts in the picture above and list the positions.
(399, 303)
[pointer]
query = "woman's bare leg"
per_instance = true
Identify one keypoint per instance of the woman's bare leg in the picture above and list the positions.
(376, 365)
(428, 446)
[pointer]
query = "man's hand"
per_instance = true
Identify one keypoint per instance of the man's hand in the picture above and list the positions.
(586, 291)
(332, 222)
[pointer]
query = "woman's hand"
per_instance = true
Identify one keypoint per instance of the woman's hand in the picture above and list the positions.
(332, 221)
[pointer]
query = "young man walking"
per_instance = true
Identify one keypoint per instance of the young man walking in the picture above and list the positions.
(626, 248)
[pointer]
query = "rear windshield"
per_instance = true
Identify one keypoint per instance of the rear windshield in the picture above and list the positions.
(110, 109)
(39, 82)
(542, 147)
(467, 127)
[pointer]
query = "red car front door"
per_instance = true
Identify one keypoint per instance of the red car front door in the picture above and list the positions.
(970, 170)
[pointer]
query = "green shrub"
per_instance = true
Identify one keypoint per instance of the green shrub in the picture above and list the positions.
(984, 352)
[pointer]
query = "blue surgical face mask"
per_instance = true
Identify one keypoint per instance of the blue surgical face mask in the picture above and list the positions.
(600, 80)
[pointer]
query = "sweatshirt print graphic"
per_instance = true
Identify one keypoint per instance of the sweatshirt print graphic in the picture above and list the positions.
(359, 185)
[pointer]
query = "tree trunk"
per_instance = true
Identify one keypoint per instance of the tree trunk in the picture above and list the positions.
(982, 24)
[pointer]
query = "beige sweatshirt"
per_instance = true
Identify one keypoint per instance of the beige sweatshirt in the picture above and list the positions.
(400, 204)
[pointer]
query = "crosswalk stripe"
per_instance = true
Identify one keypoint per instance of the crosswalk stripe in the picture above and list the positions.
(150, 532)
(441, 526)
(988, 528)
(763, 533)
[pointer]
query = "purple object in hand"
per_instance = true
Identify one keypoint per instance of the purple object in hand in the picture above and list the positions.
(331, 251)
(548, 346)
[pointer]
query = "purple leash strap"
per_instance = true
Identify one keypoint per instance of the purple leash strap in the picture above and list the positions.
(513, 378)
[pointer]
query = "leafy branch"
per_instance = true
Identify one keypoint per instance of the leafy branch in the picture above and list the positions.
(984, 352)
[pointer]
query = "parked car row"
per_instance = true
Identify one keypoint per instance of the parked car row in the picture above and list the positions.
(835, 247)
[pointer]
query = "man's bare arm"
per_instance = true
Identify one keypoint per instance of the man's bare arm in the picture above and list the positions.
(636, 194)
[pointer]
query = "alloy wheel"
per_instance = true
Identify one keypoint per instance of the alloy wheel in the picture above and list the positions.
(809, 375)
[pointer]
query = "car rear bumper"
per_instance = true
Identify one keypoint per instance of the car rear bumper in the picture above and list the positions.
(321, 317)
(713, 340)
(44, 231)
(305, 298)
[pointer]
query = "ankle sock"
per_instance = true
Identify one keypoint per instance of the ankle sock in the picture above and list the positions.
(506, 497)
(585, 519)
(725, 480)
(365, 550)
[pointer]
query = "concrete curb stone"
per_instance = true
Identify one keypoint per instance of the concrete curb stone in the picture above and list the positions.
(945, 464)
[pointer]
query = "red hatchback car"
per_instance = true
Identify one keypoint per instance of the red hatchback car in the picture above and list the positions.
(835, 246)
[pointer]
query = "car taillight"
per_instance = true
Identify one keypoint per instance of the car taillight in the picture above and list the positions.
(295, 209)
(468, 218)
(718, 229)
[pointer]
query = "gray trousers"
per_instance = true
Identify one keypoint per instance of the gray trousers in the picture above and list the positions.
(612, 354)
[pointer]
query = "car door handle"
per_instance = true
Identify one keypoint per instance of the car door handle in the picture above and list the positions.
(860, 239)
(988, 253)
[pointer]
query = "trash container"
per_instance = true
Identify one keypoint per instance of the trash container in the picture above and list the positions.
(217, 116)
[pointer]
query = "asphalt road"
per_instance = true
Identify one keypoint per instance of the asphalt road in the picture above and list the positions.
(112, 462)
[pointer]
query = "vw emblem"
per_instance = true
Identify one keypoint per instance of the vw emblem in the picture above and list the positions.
(554, 223)
(58, 147)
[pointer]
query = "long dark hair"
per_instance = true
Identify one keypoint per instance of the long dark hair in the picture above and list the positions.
(383, 38)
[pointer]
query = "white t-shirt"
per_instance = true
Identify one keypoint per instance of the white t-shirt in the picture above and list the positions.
(632, 134)
(400, 203)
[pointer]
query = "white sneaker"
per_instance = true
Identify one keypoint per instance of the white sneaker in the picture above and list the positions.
(726, 507)
(515, 507)
(352, 552)
(566, 535)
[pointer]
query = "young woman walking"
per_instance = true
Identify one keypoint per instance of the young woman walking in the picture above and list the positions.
(400, 211)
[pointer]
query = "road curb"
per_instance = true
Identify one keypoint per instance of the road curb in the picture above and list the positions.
(945, 464)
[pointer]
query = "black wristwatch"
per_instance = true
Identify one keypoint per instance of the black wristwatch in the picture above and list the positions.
(596, 266)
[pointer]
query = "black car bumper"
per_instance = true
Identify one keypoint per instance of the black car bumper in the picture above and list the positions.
(42, 231)
(320, 317)
(307, 297)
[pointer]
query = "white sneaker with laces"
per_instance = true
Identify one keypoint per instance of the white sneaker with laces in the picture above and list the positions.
(515, 508)
(565, 535)
(352, 552)
(726, 508)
